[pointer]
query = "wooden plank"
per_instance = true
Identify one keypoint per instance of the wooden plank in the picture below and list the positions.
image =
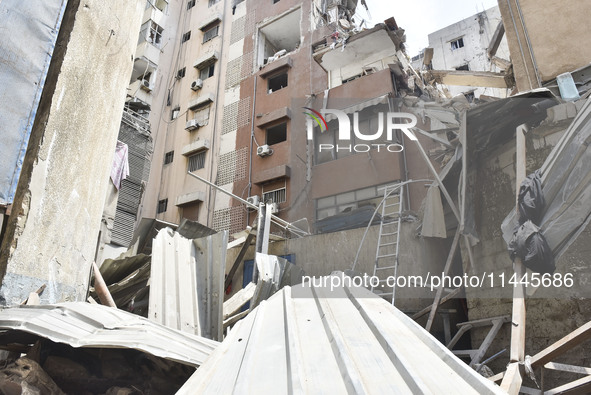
(563, 367)
(561, 346)
(580, 386)
(490, 337)
(512, 380)
(238, 260)
(458, 336)
(531, 391)
(235, 318)
(427, 309)
(517, 352)
(496, 39)
(238, 300)
(497, 377)
(484, 321)
(101, 288)
(446, 269)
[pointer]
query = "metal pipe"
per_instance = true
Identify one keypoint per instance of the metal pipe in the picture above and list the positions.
(281, 222)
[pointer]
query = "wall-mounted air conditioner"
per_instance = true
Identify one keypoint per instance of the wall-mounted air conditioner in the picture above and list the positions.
(274, 208)
(146, 85)
(193, 124)
(256, 200)
(264, 150)
(197, 84)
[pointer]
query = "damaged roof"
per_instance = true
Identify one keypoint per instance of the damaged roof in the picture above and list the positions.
(305, 340)
(81, 324)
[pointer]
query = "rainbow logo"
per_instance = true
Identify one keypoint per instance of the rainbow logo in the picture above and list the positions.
(318, 118)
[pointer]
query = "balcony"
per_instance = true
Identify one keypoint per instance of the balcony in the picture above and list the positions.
(146, 52)
(154, 14)
(140, 92)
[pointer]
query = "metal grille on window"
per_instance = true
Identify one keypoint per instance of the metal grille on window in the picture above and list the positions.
(168, 157)
(197, 161)
(162, 205)
(276, 196)
(211, 33)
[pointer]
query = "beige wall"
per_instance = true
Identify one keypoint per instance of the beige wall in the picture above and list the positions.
(558, 34)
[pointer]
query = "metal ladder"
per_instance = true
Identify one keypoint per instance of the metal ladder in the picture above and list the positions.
(387, 248)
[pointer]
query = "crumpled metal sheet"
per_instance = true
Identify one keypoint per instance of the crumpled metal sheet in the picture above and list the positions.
(30, 30)
(305, 340)
(81, 324)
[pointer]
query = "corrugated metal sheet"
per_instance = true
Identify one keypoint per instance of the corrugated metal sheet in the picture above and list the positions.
(303, 340)
(187, 282)
(30, 29)
(88, 325)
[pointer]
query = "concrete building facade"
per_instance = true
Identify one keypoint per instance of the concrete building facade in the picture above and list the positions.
(463, 46)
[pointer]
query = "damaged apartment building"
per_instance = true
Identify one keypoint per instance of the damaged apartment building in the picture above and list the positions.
(197, 175)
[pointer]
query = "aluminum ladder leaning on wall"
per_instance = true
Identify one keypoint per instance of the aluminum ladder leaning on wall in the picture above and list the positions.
(387, 248)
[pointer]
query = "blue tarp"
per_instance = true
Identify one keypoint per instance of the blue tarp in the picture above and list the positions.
(30, 30)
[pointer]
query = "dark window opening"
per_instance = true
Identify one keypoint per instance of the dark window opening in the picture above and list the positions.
(211, 33)
(197, 161)
(464, 67)
(351, 78)
(212, 2)
(277, 134)
(459, 43)
(277, 82)
(190, 4)
(181, 73)
(162, 205)
(275, 1)
(168, 157)
(206, 72)
(186, 37)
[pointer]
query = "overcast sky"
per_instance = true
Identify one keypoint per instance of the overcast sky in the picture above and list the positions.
(421, 17)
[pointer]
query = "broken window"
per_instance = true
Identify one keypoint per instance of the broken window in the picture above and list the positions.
(211, 33)
(276, 134)
(168, 157)
(196, 161)
(202, 115)
(464, 67)
(181, 73)
(276, 196)
(186, 37)
(175, 113)
(458, 43)
(277, 82)
(336, 204)
(279, 37)
(206, 72)
(190, 4)
(162, 205)
(151, 33)
(212, 2)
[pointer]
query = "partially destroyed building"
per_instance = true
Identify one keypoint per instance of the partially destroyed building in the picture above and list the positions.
(297, 153)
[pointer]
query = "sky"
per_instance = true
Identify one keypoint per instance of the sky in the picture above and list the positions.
(421, 17)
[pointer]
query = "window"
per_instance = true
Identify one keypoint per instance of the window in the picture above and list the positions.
(455, 44)
(206, 72)
(276, 196)
(168, 157)
(212, 2)
(181, 73)
(197, 161)
(336, 204)
(464, 67)
(210, 33)
(186, 37)
(175, 113)
(277, 82)
(159, 4)
(202, 115)
(276, 134)
(190, 4)
(162, 205)
(275, 1)
(280, 36)
(151, 33)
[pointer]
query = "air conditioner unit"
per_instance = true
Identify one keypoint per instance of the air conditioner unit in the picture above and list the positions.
(146, 85)
(264, 150)
(274, 208)
(193, 124)
(256, 200)
(197, 84)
